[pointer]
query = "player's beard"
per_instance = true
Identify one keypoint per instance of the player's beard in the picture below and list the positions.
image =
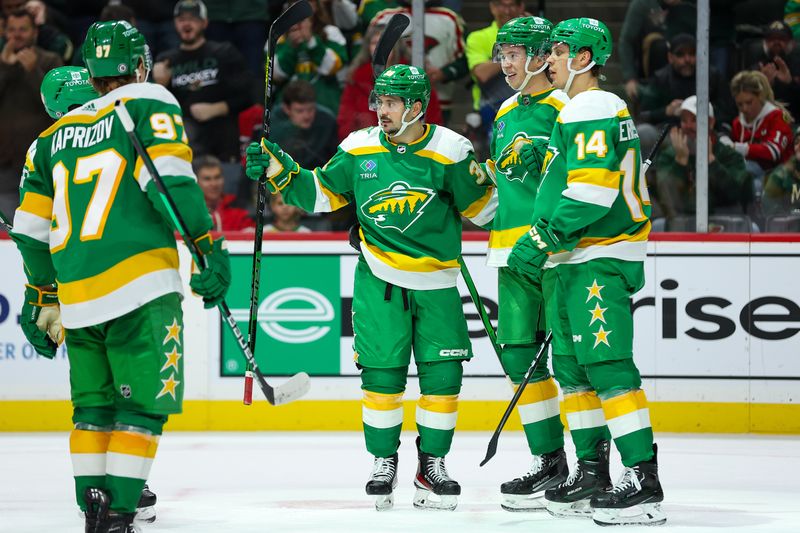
(388, 127)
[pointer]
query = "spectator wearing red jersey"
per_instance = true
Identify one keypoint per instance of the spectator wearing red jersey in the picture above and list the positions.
(354, 113)
(762, 131)
(212, 181)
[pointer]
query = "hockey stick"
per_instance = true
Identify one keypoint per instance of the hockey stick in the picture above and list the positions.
(654, 150)
(296, 13)
(391, 34)
(491, 450)
(298, 384)
(476, 299)
(5, 221)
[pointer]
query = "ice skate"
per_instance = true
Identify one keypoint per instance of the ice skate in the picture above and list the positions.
(526, 493)
(634, 500)
(97, 504)
(571, 498)
(435, 489)
(383, 481)
(146, 508)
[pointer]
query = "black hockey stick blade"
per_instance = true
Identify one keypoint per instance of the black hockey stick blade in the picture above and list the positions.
(294, 14)
(654, 150)
(491, 450)
(391, 34)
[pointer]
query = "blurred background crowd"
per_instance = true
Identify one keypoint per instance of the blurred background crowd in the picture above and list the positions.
(211, 53)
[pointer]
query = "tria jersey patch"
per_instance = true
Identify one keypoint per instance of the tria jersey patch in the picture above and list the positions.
(398, 206)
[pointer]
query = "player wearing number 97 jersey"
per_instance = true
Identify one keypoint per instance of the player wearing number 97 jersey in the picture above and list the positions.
(588, 244)
(92, 220)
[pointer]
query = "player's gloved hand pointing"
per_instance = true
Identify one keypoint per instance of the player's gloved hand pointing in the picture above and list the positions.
(213, 281)
(532, 154)
(530, 252)
(268, 158)
(41, 320)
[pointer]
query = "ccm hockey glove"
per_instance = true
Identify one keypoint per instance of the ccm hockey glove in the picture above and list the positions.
(41, 320)
(268, 158)
(213, 281)
(531, 154)
(529, 254)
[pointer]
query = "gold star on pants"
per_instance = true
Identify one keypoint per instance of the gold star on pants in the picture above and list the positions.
(601, 336)
(597, 313)
(172, 359)
(169, 387)
(173, 332)
(594, 291)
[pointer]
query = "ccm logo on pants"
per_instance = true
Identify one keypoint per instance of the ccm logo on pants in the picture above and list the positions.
(454, 353)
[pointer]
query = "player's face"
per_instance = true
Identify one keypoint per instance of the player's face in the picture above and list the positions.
(557, 60)
(211, 181)
(390, 111)
(749, 105)
(190, 28)
(512, 62)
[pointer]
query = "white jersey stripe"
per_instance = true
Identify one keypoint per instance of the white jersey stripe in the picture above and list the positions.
(382, 419)
(628, 423)
(434, 420)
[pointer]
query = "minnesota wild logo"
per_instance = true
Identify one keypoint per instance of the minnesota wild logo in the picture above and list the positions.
(398, 206)
(509, 163)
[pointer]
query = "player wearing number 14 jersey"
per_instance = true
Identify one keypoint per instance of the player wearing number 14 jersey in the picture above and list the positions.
(588, 244)
(92, 222)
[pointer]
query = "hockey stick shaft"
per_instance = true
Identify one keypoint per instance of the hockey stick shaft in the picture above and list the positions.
(296, 13)
(476, 299)
(649, 161)
(180, 225)
(491, 450)
(5, 221)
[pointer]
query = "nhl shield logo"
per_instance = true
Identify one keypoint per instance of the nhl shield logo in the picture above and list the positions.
(398, 206)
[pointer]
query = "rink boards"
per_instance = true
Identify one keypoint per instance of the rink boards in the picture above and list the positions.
(717, 340)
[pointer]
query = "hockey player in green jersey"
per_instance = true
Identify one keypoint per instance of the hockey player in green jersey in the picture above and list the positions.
(522, 47)
(588, 243)
(410, 183)
(92, 220)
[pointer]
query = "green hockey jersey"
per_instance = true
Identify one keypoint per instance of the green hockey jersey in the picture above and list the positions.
(90, 216)
(408, 198)
(520, 117)
(592, 192)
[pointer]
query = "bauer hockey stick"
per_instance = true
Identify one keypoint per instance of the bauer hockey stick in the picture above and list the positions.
(476, 299)
(491, 450)
(391, 34)
(294, 14)
(298, 384)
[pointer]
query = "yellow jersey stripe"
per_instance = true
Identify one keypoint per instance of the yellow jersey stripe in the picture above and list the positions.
(127, 270)
(439, 158)
(439, 404)
(414, 264)
(477, 206)
(382, 402)
(130, 443)
(179, 150)
(507, 238)
(337, 201)
(624, 404)
(503, 110)
(581, 401)
(639, 236)
(81, 119)
(595, 176)
(538, 392)
(367, 150)
(37, 204)
(552, 101)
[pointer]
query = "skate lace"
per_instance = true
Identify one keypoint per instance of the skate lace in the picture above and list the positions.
(628, 479)
(536, 467)
(436, 470)
(573, 476)
(383, 468)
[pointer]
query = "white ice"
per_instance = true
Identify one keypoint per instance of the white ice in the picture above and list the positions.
(310, 482)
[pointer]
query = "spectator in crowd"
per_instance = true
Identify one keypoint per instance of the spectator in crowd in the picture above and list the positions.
(354, 111)
(445, 61)
(243, 23)
(660, 99)
(782, 189)
(728, 180)
(777, 56)
(285, 217)
(304, 128)
(154, 18)
(211, 179)
(367, 9)
(641, 43)
(48, 36)
(762, 131)
(118, 12)
(490, 88)
(210, 81)
(22, 67)
(343, 13)
(313, 50)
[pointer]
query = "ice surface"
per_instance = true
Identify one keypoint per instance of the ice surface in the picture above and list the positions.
(310, 482)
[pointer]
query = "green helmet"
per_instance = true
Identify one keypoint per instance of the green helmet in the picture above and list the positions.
(64, 88)
(113, 48)
(531, 32)
(584, 33)
(408, 82)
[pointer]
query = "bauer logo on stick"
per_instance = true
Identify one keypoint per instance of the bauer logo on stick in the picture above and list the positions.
(397, 206)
